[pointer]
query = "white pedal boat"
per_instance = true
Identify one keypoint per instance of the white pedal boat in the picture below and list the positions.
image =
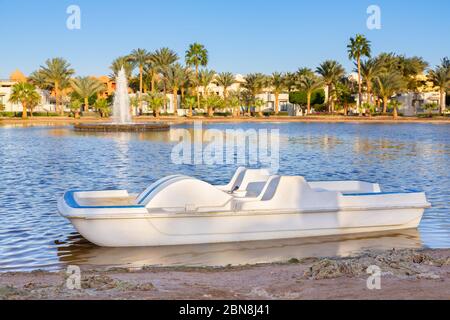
(179, 210)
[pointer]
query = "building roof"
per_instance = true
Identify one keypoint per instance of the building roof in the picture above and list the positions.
(17, 76)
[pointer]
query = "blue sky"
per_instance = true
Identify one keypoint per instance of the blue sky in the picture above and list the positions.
(241, 35)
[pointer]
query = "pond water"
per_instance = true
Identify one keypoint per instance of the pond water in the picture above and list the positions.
(38, 163)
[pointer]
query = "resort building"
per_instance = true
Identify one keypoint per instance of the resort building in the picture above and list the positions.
(47, 101)
(267, 97)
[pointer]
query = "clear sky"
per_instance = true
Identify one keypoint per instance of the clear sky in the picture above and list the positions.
(241, 35)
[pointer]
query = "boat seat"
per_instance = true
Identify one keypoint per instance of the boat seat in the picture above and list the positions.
(289, 193)
(266, 192)
(246, 182)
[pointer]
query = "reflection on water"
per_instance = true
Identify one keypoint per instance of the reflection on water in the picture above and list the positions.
(83, 252)
(38, 163)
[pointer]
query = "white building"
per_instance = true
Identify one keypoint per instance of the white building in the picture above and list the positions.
(6, 85)
(267, 96)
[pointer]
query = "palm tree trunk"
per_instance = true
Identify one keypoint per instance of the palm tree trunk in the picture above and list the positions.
(395, 112)
(153, 82)
(57, 106)
(86, 104)
(196, 90)
(141, 71)
(308, 103)
(359, 86)
(175, 101)
(442, 104)
(328, 98)
(277, 107)
(385, 105)
(24, 110)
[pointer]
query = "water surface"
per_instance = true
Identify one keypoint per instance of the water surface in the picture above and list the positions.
(38, 163)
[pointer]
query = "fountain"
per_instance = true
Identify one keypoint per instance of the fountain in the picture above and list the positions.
(121, 113)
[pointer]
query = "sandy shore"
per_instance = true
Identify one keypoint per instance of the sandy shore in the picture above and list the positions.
(377, 119)
(405, 274)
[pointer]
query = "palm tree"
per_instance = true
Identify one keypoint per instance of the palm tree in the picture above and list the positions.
(57, 72)
(161, 59)
(225, 80)
(388, 84)
(440, 76)
(155, 101)
(39, 80)
(103, 107)
(254, 84)
(120, 62)
(197, 56)
(357, 48)
(369, 69)
(140, 57)
(206, 77)
(310, 83)
(290, 81)
(86, 87)
(190, 102)
(25, 94)
(174, 77)
(331, 71)
(277, 84)
(395, 104)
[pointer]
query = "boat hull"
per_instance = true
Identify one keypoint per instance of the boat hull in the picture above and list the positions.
(165, 230)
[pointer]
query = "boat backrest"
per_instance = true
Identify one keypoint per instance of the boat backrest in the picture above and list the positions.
(252, 177)
(289, 193)
(236, 180)
(186, 194)
(141, 198)
(269, 189)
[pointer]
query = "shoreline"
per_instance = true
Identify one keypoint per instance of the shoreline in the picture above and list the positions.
(405, 274)
(273, 119)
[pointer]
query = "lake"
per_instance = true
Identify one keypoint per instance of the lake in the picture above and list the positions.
(38, 163)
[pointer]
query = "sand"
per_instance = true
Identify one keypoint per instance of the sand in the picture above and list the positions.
(405, 274)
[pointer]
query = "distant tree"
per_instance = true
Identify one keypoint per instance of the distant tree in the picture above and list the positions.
(119, 63)
(395, 104)
(190, 102)
(103, 107)
(388, 84)
(86, 87)
(357, 48)
(331, 71)
(197, 56)
(278, 85)
(440, 76)
(57, 73)
(174, 77)
(225, 80)
(139, 58)
(155, 102)
(75, 106)
(161, 60)
(254, 85)
(25, 94)
(310, 83)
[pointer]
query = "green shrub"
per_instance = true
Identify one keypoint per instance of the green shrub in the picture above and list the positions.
(45, 114)
(300, 97)
(8, 114)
